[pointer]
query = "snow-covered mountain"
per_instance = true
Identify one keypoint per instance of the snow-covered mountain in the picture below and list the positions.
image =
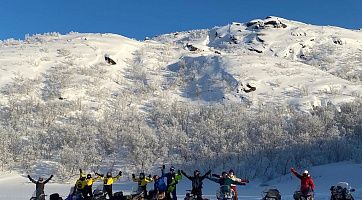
(287, 61)
(190, 97)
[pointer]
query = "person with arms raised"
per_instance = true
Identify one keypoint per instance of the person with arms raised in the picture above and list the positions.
(39, 186)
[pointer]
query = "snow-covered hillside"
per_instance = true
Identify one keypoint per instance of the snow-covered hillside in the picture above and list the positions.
(269, 93)
(287, 61)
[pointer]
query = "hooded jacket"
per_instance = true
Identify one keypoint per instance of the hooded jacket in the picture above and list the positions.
(306, 182)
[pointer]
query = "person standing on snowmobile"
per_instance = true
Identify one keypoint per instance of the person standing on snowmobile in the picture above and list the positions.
(233, 186)
(169, 177)
(306, 181)
(88, 191)
(108, 182)
(142, 181)
(39, 186)
(196, 182)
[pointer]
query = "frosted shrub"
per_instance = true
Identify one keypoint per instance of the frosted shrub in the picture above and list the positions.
(215, 136)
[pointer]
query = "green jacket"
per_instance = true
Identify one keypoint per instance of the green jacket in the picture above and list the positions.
(172, 186)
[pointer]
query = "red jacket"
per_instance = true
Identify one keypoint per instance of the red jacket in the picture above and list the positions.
(306, 182)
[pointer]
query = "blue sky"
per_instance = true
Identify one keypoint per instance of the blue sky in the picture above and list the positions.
(141, 18)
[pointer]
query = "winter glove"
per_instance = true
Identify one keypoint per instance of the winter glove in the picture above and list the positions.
(292, 170)
(179, 171)
(149, 176)
(101, 175)
(120, 173)
(208, 172)
(51, 176)
(28, 176)
(80, 171)
(246, 181)
(163, 167)
(133, 176)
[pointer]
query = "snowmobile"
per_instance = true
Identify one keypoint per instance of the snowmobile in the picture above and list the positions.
(74, 195)
(98, 193)
(190, 196)
(225, 193)
(341, 191)
(298, 195)
(159, 196)
(138, 195)
(55, 196)
(271, 194)
(41, 197)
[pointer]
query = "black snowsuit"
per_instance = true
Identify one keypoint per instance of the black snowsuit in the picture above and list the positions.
(39, 188)
(196, 183)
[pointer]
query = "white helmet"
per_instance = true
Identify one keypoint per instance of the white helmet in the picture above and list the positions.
(306, 172)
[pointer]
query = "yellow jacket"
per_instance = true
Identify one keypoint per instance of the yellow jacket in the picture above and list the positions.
(80, 184)
(110, 180)
(142, 182)
(89, 182)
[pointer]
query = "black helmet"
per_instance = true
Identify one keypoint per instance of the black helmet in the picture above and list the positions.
(142, 175)
(109, 174)
(40, 179)
(172, 169)
(196, 173)
(89, 176)
(223, 174)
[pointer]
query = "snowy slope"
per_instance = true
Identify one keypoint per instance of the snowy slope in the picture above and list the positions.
(288, 62)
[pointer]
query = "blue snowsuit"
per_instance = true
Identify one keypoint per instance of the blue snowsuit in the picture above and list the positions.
(160, 185)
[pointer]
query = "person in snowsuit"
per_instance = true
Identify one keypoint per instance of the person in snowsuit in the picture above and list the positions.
(108, 183)
(306, 181)
(233, 186)
(142, 181)
(159, 187)
(172, 186)
(39, 186)
(88, 188)
(196, 182)
(79, 188)
(226, 181)
(169, 177)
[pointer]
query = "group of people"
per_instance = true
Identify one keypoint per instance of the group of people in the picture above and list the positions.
(163, 189)
(83, 186)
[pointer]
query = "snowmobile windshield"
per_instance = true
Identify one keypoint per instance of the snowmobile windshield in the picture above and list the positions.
(343, 185)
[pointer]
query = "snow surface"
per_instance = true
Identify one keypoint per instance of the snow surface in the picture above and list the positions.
(14, 186)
